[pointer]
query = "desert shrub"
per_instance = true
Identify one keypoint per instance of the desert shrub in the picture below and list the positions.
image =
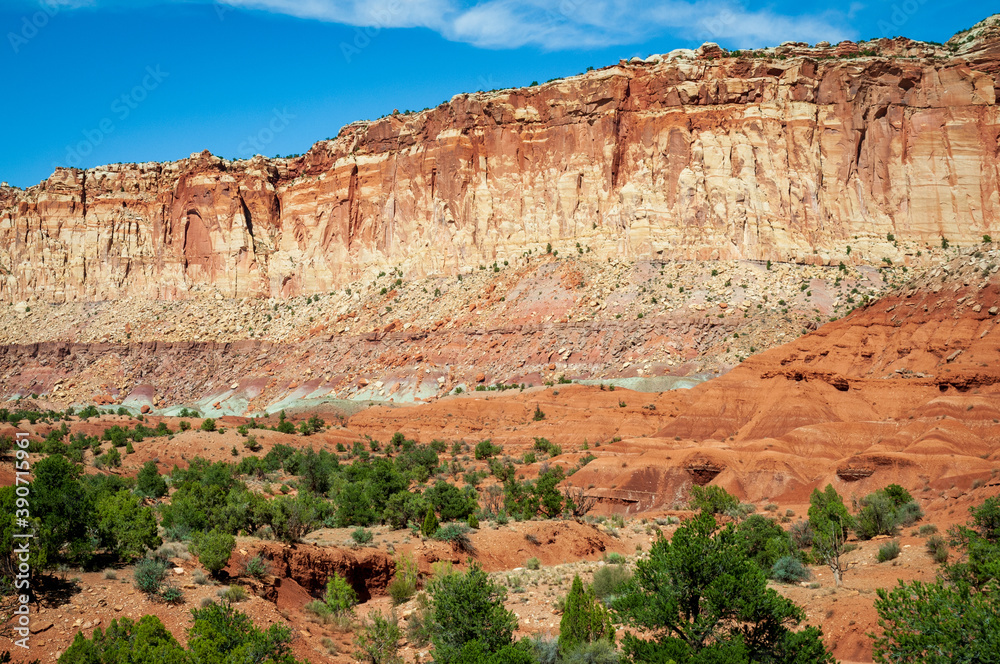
(595, 652)
(362, 536)
(740, 511)
(938, 549)
(801, 534)
(469, 607)
(897, 494)
(928, 529)
(292, 517)
(473, 522)
(172, 595)
(450, 502)
(764, 541)
(255, 567)
(789, 569)
(615, 558)
(609, 579)
(420, 625)
(455, 533)
(377, 642)
(124, 527)
(700, 582)
(712, 499)
(544, 648)
(888, 551)
(233, 594)
(404, 507)
(584, 619)
(340, 596)
(533, 563)
(213, 549)
(546, 446)
(909, 513)
(208, 424)
(148, 575)
(487, 450)
(149, 482)
(884, 511)
(430, 525)
(404, 583)
(936, 623)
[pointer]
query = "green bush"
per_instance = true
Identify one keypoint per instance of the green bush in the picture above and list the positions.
(584, 619)
(469, 607)
(789, 569)
(213, 549)
(533, 563)
(764, 541)
(149, 482)
(172, 595)
(884, 511)
(208, 424)
(404, 583)
(601, 651)
(938, 548)
(615, 558)
(710, 596)
(888, 551)
(450, 502)
(377, 642)
(148, 575)
(455, 533)
(255, 567)
(126, 642)
(936, 623)
(340, 596)
(125, 528)
(233, 594)
(362, 536)
(487, 450)
(430, 525)
(801, 534)
(712, 499)
(608, 580)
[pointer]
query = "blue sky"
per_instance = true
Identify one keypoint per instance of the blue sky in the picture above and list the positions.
(90, 82)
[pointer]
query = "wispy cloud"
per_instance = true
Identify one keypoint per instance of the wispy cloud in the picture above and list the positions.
(559, 24)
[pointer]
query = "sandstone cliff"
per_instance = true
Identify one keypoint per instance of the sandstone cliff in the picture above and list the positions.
(788, 154)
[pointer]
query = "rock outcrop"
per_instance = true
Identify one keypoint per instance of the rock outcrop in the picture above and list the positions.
(787, 154)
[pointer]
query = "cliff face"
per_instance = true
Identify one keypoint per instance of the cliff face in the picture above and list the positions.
(791, 155)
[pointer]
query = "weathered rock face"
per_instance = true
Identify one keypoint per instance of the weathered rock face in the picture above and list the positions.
(790, 156)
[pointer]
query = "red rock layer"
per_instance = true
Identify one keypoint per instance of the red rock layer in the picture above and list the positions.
(788, 157)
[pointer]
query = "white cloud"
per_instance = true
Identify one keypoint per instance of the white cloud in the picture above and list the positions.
(561, 24)
(380, 13)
